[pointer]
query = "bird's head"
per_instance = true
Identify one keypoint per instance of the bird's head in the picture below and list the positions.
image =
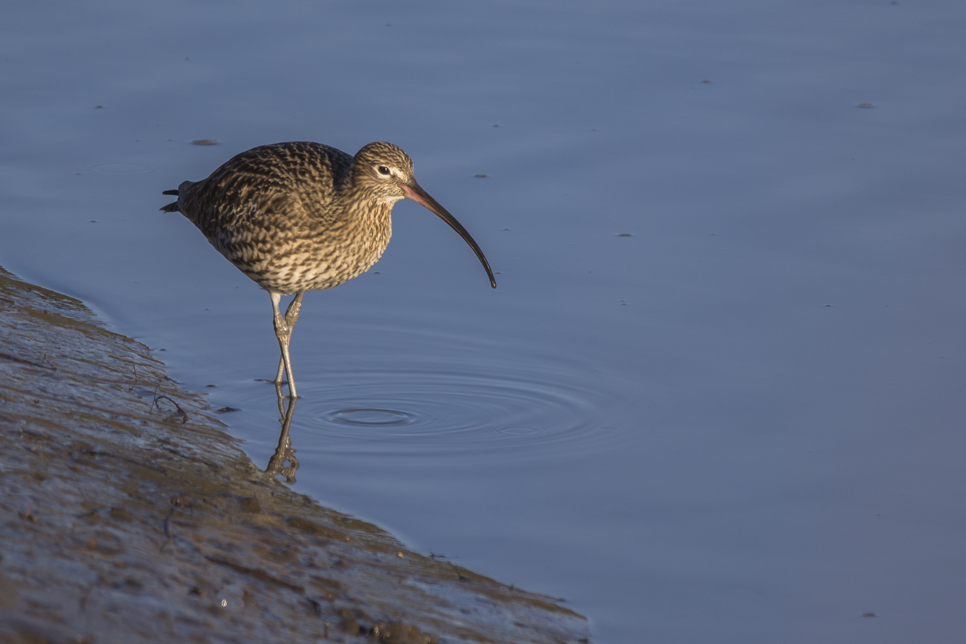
(383, 171)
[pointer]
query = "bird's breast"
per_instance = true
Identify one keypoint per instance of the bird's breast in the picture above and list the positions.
(308, 256)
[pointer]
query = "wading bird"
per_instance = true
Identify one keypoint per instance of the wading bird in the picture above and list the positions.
(298, 217)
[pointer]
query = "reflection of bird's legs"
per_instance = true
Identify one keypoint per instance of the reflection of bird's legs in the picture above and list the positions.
(283, 331)
(284, 453)
(281, 401)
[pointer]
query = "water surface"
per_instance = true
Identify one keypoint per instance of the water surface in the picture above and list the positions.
(717, 395)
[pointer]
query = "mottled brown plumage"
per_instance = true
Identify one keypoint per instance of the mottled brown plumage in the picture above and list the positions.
(298, 217)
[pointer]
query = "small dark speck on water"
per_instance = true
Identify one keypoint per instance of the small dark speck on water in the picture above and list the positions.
(376, 272)
(624, 235)
(225, 410)
(205, 141)
(480, 176)
(211, 385)
(495, 125)
(705, 81)
(828, 306)
(506, 229)
(870, 613)
(98, 107)
(865, 105)
(93, 221)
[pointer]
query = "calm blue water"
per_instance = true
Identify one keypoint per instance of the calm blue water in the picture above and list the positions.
(743, 422)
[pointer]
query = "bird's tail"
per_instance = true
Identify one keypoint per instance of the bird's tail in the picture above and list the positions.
(171, 207)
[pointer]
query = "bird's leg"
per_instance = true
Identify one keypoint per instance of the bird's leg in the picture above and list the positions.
(292, 312)
(291, 317)
(283, 331)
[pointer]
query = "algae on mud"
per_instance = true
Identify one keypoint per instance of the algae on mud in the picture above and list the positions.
(127, 514)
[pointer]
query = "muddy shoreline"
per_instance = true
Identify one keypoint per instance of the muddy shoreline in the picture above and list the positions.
(128, 514)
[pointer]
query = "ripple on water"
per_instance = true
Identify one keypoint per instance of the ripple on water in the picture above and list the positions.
(371, 417)
(447, 410)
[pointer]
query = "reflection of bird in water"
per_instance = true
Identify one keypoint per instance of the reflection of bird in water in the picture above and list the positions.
(284, 453)
(299, 217)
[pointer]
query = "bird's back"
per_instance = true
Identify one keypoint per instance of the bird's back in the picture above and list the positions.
(283, 214)
(255, 182)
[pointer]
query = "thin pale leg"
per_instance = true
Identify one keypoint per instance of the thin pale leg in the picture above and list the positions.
(291, 317)
(283, 331)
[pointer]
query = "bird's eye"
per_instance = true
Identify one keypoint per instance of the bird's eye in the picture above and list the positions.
(383, 170)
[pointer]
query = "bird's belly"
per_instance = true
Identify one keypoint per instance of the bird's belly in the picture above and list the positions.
(309, 270)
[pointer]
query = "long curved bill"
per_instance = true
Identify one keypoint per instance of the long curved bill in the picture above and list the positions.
(422, 197)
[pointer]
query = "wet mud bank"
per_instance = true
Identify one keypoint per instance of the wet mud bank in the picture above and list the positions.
(127, 514)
